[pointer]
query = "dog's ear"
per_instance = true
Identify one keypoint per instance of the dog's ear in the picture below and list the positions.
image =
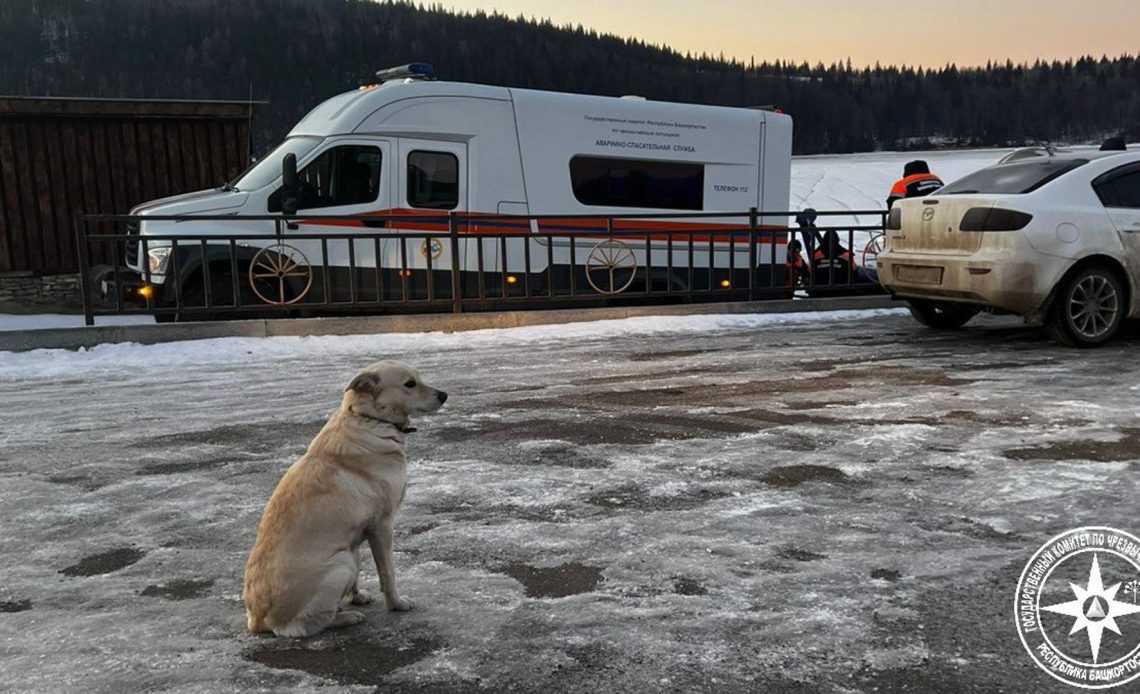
(367, 383)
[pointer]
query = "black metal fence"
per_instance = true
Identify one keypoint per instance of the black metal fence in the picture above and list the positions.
(212, 266)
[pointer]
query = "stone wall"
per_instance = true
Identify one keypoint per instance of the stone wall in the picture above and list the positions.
(40, 291)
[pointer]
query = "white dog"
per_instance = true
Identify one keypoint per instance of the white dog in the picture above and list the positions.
(346, 489)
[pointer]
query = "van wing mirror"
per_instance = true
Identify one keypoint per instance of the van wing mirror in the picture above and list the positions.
(290, 185)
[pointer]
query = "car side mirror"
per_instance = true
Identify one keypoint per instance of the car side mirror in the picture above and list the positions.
(290, 185)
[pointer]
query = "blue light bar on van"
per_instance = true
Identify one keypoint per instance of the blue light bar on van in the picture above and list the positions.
(417, 71)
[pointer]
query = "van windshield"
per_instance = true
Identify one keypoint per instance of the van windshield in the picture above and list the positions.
(1013, 179)
(268, 169)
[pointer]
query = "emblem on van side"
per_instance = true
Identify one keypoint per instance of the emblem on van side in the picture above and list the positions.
(436, 249)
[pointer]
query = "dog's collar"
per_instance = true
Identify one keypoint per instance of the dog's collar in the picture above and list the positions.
(405, 429)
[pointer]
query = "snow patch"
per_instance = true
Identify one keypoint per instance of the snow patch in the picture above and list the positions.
(122, 356)
(44, 321)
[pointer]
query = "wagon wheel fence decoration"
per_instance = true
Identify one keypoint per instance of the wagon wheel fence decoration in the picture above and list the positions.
(610, 267)
(280, 274)
(872, 250)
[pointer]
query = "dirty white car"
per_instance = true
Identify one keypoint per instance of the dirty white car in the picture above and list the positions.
(1051, 236)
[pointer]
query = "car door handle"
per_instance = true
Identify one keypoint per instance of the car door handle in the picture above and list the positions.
(376, 223)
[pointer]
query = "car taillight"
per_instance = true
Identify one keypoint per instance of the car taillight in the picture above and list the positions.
(894, 219)
(994, 219)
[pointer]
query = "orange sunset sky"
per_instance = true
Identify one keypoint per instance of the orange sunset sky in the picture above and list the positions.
(966, 32)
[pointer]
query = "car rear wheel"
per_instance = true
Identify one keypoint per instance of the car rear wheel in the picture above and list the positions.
(941, 315)
(1089, 308)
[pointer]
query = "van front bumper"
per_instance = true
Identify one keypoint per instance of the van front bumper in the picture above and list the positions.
(992, 280)
(130, 288)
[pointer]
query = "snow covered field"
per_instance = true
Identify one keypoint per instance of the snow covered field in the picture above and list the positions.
(862, 181)
(826, 503)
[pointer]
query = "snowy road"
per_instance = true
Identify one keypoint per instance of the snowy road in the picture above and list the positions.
(735, 503)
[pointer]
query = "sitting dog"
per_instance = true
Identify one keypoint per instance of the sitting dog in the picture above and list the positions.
(346, 489)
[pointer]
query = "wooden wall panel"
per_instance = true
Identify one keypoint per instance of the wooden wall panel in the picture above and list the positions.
(9, 201)
(60, 156)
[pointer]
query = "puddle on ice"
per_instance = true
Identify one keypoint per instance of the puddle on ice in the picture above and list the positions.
(346, 664)
(82, 481)
(689, 586)
(795, 475)
(105, 562)
(821, 404)
(670, 354)
(797, 554)
(555, 581)
(15, 606)
(638, 499)
(255, 436)
(558, 454)
(1125, 449)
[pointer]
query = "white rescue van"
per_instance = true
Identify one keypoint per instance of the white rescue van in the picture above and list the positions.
(413, 147)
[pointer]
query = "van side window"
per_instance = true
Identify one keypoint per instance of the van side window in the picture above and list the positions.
(662, 185)
(433, 180)
(344, 175)
(1119, 189)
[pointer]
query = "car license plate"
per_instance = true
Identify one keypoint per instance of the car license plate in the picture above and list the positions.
(917, 274)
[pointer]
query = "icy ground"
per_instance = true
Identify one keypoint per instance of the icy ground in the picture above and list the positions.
(729, 504)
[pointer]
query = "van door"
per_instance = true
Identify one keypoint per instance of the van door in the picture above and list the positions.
(432, 183)
(345, 177)
(1119, 190)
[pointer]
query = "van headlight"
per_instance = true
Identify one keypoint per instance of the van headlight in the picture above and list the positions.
(158, 258)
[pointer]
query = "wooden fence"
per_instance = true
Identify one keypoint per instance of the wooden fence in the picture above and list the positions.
(59, 156)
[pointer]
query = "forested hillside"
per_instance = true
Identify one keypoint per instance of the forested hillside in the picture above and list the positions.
(295, 53)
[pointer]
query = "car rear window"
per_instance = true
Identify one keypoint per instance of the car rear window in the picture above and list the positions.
(1014, 179)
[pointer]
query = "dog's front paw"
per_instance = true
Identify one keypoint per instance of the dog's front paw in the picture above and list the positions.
(399, 604)
(361, 597)
(346, 618)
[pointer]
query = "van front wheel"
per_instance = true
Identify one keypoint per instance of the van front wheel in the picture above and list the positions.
(1089, 308)
(221, 296)
(941, 315)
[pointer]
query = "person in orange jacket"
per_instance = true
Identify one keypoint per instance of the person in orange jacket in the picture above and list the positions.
(916, 182)
(796, 269)
(832, 258)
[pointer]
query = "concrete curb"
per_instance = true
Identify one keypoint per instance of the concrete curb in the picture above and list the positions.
(76, 338)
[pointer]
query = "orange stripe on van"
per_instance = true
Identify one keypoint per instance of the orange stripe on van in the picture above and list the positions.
(628, 229)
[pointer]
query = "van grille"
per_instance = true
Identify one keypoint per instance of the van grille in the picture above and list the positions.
(131, 246)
